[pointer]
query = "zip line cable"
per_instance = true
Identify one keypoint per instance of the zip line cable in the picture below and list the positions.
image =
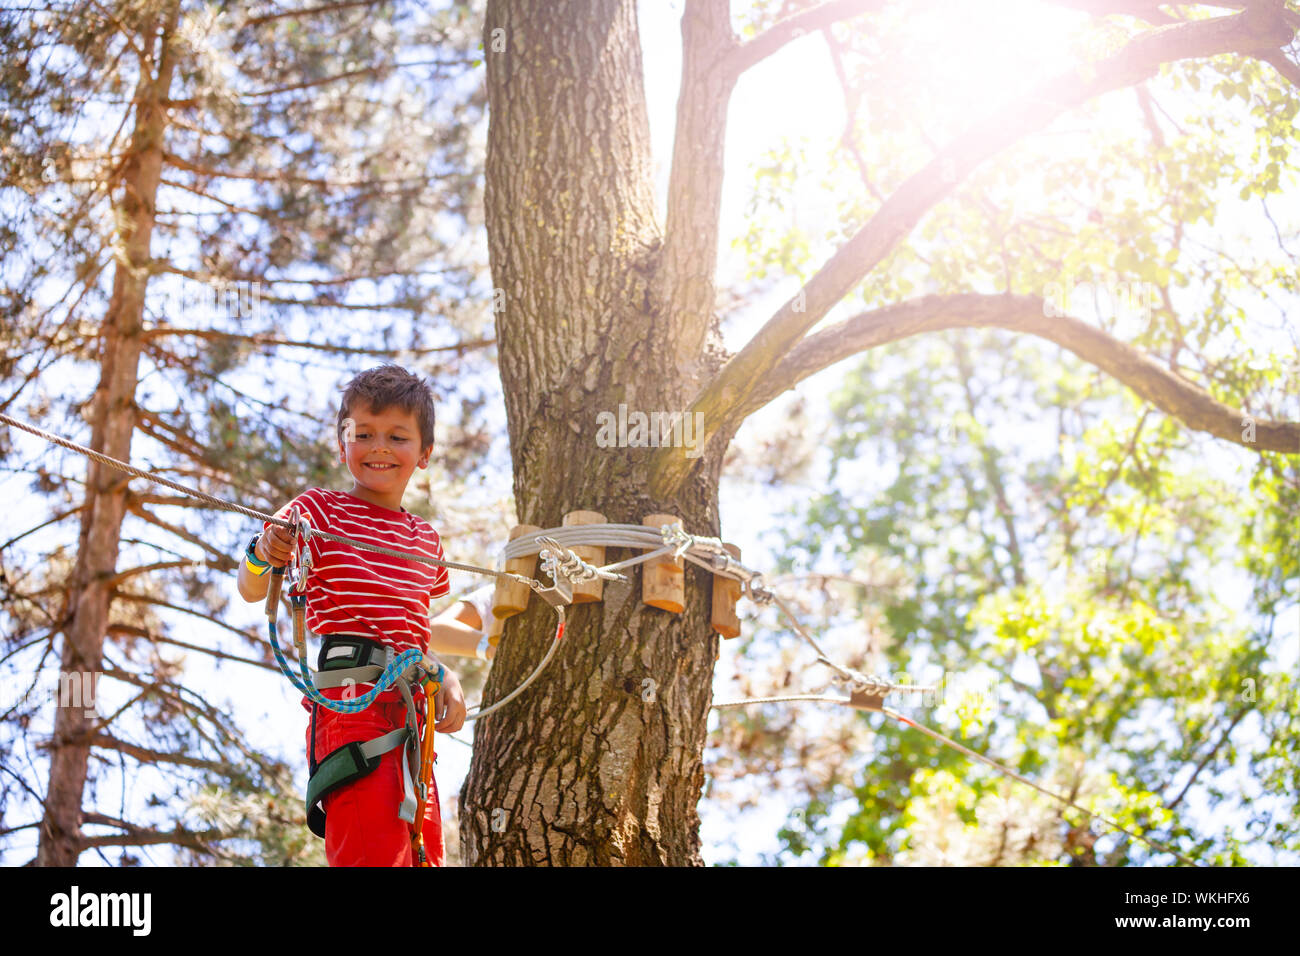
(948, 741)
(250, 512)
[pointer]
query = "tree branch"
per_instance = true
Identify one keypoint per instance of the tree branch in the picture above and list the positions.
(1148, 10)
(213, 279)
(1150, 379)
(136, 509)
(794, 26)
(308, 11)
(1278, 61)
(133, 835)
(121, 576)
(1206, 759)
(848, 138)
(1254, 30)
(182, 442)
(133, 631)
(280, 177)
(687, 273)
(259, 339)
(146, 599)
(145, 755)
(44, 524)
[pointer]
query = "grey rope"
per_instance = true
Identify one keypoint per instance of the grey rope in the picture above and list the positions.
(555, 644)
(706, 552)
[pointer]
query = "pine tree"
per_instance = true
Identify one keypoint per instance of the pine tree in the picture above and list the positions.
(189, 190)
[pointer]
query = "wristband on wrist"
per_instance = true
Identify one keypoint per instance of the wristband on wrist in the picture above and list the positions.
(255, 564)
(481, 651)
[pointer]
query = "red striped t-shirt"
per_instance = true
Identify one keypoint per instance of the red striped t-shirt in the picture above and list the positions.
(354, 591)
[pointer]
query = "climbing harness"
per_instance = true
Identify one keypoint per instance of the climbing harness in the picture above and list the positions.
(346, 661)
(346, 669)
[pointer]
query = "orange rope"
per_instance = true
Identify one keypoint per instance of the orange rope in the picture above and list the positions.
(427, 755)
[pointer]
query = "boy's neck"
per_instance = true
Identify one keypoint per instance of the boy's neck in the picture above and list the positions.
(382, 501)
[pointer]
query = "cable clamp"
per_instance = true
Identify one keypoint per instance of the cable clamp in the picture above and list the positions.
(554, 563)
(675, 535)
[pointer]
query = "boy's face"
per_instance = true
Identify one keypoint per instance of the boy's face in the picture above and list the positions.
(383, 452)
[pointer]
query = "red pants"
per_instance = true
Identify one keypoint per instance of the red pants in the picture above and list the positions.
(361, 823)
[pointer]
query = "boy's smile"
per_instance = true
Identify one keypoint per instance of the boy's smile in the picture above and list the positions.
(383, 453)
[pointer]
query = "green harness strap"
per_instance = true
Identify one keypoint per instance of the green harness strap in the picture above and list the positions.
(350, 762)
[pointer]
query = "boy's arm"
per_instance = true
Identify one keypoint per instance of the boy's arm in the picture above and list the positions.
(457, 631)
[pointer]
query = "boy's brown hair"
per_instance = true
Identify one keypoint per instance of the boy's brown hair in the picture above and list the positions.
(384, 387)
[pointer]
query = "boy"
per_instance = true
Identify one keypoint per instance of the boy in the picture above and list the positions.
(360, 602)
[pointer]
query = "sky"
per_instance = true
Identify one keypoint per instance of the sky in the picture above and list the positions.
(795, 93)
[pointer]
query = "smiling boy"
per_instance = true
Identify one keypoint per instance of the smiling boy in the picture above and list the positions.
(362, 604)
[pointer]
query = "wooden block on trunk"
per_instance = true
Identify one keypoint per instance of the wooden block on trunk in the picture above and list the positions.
(726, 592)
(585, 592)
(511, 597)
(663, 581)
(861, 700)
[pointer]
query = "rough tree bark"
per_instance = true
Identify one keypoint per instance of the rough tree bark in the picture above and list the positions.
(576, 249)
(112, 416)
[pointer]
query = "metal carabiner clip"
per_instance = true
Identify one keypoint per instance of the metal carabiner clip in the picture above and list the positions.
(299, 567)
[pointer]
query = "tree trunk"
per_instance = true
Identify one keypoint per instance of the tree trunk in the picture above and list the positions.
(112, 426)
(599, 762)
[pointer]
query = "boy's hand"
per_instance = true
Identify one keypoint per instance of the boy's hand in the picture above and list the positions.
(449, 705)
(274, 546)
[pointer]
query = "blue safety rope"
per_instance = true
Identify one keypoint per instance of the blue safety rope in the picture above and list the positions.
(385, 680)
